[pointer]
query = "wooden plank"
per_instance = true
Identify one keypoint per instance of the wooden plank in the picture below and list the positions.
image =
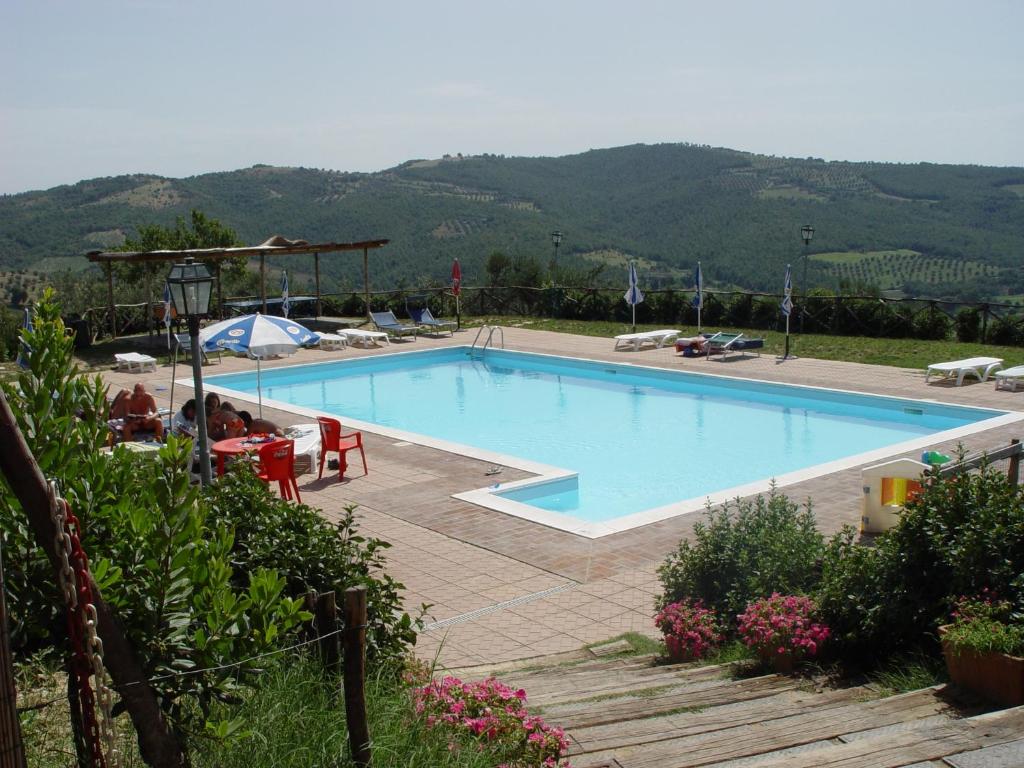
(1009, 755)
(700, 695)
(918, 746)
(765, 737)
(632, 732)
(615, 683)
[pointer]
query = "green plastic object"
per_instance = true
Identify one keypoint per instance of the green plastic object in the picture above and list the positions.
(934, 458)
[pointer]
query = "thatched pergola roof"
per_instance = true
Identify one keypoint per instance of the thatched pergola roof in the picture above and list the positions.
(274, 246)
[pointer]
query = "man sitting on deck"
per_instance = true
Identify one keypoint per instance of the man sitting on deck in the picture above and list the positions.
(141, 414)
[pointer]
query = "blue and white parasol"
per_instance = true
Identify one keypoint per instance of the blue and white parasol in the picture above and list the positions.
(257, 336)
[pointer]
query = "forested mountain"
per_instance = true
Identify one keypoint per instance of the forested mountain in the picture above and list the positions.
(927, 229)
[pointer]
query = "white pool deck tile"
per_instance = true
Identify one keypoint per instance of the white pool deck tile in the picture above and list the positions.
(461, 557)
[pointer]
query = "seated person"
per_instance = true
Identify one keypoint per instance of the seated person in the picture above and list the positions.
(224, 423)
(259, 426)
(119, 405)
(142, 415)
(184, 422)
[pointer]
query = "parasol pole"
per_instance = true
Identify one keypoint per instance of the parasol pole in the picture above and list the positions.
(259, 386)
(174, 367)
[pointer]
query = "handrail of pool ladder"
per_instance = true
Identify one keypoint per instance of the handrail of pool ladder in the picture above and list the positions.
(490, 336)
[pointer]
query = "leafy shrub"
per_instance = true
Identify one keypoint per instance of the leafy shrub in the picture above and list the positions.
(932, 323)
(496, 716)
(960, 535)
(740, 310)
(782, 625)
(690, 626)
(985, 625)
(742, 551)
(1005, 330)
(312, 554)
(968, 325)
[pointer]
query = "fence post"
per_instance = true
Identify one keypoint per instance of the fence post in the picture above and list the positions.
(327, 629)
(984, 323)
(12, 748)
(1013, 473)
(355, 672)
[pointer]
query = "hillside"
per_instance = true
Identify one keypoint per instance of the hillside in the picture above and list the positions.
(939, 230)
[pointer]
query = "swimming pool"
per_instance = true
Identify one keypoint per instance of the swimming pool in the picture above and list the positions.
(613, 446)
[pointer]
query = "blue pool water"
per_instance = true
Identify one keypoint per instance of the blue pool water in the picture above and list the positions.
(639, 438)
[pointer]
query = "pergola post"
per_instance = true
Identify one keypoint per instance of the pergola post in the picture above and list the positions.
(110, 300)
(263, 282)
(366, 280)
(220, 291)
(316, 270)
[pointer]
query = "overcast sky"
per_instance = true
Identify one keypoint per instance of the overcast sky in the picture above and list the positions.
(177, 88)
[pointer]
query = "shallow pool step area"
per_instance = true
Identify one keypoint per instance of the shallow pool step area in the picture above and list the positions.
(634, 712)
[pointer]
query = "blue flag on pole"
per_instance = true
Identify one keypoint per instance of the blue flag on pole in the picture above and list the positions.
(698, 280)
(787, 293)
(285, 304)
(24, 350)
(167, 312)
(633, 296)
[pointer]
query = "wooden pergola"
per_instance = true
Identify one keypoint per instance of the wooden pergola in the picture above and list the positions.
(275, 246)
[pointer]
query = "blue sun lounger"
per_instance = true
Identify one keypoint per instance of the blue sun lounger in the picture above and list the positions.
(388, 323)
(425, 317)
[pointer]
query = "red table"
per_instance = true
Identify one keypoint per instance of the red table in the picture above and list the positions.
(235, 446)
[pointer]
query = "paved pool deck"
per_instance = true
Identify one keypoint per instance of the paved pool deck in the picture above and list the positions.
(504, 588)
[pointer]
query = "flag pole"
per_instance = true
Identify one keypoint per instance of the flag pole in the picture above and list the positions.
(785, 355)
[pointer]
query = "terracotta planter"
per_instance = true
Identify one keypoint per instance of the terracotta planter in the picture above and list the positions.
(677, 652)
(998, 677)
(782, 663)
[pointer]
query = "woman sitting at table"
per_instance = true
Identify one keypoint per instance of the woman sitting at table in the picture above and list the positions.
(225, 423)
(259, 426)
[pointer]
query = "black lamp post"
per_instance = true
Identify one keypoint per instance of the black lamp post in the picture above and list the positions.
(190, 286)
(556, 240)
(806, 232)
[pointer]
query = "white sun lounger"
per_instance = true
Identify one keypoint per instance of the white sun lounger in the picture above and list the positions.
(135, 361)
(333, 341)
(1009, 378)
(658, 338)
(357, 336)
(979, 367)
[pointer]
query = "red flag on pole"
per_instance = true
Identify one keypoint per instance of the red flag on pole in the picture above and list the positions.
(456, 290)
(456, 278)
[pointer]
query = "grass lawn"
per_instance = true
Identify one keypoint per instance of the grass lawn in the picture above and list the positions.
(904, 353)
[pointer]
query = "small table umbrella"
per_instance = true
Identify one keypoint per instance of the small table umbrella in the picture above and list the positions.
(257, 336)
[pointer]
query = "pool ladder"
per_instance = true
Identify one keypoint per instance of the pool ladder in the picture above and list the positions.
(489, 338)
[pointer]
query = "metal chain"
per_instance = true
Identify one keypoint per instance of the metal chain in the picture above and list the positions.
(87, 647)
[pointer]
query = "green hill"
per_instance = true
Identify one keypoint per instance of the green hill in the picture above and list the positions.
(668, 204)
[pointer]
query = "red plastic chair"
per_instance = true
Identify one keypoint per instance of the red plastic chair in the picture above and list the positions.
(332, 439)
(277, 462)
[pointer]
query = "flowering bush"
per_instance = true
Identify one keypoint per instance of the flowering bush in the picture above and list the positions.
(690, 629)
(781, 625)
(495, 715)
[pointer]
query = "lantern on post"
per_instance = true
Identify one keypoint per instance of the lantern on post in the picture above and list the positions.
(190, 286)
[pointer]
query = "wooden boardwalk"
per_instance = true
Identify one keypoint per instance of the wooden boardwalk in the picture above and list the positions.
(634, 713)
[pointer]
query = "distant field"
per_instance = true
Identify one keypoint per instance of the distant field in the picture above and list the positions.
(1017, 189)
(790, 193)
(891, 269)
